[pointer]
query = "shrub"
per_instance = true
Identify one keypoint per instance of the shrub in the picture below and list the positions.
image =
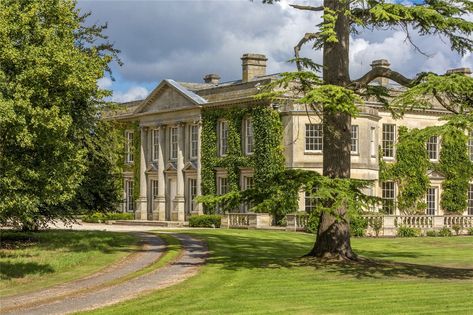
(206, 220)
(98, 217)
(457, 228)
(312, 223)
(119, 216)
(432, 233)
(358, 225)
(445, 231)
(377, 225)
(470, 231)
(406, 231)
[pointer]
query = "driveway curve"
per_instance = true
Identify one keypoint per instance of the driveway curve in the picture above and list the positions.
(194, 253)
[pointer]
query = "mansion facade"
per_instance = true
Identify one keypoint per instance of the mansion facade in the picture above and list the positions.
(164, 173)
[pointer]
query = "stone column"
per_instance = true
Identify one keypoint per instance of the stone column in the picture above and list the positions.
(199, 208)
(142, 202)
(161, 199)
(179, 200)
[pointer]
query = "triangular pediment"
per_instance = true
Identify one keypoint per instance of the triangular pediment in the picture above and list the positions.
(171, 167)
(190, 166)
(169, 95)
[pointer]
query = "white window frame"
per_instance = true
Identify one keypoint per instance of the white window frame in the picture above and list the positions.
(433, 148)
(154, 189)
(194, 141)
(155, 145)
(355, 139)
(309, 201)
(249, 136)
(173, 142)
(223, 137)
(314, 139)
(470, 145)
(388, 194)
(388, 144)
(247, 182)
(129, 202)
(191, 193)
(470, 199)
(431, 200)
(220, 190)
(373, 142)
(129, 147)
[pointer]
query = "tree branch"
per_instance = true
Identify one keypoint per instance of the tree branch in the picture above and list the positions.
(383, 72)
(307, 37)
(307, 7)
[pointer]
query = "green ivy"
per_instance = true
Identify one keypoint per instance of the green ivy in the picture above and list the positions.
(412, 165)
(266, 160)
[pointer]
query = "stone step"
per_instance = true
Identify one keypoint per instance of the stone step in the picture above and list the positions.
(150, 223)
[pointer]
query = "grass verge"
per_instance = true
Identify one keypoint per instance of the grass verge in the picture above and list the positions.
(36, 260)
(261, 272)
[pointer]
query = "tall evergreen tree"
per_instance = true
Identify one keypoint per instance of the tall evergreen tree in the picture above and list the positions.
(334, 95)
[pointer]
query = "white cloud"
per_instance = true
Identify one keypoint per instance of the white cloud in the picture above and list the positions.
(132, 94)
(104, 83)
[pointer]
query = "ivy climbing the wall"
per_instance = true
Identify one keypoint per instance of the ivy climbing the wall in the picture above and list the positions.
(267, 159)
(410, 171)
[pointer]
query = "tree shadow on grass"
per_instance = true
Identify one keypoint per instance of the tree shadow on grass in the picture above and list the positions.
(238, 252)
(19, 269)
(68, 240)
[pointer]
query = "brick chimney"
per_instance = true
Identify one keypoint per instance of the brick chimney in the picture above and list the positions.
(253, 65)
(465, 71)
(212, 78)
(381, 63)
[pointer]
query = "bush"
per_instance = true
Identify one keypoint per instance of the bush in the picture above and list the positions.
(470, 231)
(312, 223)
(358, 225)
(406, 231)
(445, 231)
(99, 217)
(431, 233)
(457, 228)
(206, 220)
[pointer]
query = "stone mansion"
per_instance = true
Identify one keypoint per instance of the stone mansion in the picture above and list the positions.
(167, 163)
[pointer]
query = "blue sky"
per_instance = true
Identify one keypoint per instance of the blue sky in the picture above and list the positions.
(186, 39)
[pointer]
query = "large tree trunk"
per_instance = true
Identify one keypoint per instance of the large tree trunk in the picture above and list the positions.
(333, 236)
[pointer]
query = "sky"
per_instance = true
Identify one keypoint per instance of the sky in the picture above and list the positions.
(187, 39)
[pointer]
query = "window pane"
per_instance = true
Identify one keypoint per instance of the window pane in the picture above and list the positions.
(354, 139)
(432, 148)
(470, 200)
(174, 143)
(431, 201)
(313, 137)
(388, 196)
(223, 137)
(155, 144)
(194, 141)
(249, 136)
(389, 138)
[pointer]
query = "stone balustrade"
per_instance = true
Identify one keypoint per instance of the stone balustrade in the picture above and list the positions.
(387, 225)
(246, 220)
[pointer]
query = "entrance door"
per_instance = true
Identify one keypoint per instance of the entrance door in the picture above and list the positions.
(171, 190)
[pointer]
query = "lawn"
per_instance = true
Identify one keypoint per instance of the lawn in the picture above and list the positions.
(261, 272)
(31, 261)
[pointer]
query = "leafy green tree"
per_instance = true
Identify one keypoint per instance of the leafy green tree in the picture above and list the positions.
(334, 95)
(49, 108)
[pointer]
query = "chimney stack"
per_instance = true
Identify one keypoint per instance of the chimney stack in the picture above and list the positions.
(381, 63)
(464, 71)
(212, 78)
(253, 65)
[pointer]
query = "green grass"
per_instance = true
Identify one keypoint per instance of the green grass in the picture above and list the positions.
(31, 261)
(261, 272)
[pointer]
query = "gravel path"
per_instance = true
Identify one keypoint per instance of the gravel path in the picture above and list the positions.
(193, 256)
(153, 248)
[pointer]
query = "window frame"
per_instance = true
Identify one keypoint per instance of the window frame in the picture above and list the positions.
(173, 142)
(429, 201)
(385, 142)
(249, 134)
(470, 200)
(223, 137)
(385, 198)
(191, 193)
(193, 143)
(314, 138)
(373, 151)
(129, 201)
(129, 147)
(433, 145)
(470, 145)
(355, 136)
(155, 145)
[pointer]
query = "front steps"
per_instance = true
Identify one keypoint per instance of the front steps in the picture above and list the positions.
(171, 224)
